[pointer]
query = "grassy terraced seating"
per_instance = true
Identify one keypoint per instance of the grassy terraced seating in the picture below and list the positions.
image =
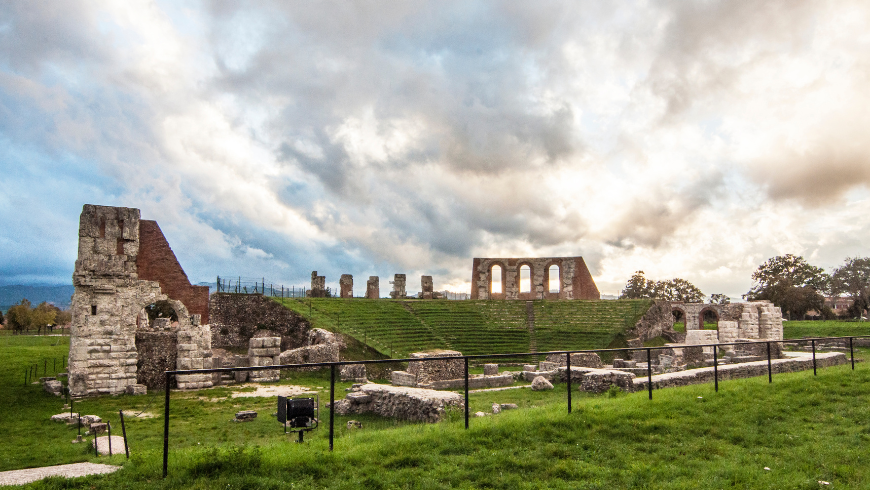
(472, 327)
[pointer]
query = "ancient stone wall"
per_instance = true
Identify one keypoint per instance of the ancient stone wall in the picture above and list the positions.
(346, 284)
(373, 288)
(752, 320)
(236, 318)
(575, 281)
(398, 402)
(109, 295)
(426, 372)
(194, 352)
(158, 352)
(318, 286)
(398, 283)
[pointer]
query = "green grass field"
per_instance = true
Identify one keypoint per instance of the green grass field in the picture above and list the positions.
(798, 329)
(806, 429)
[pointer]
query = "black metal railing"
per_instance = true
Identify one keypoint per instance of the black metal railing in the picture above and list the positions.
(648, 350)
(247, 285)
(46, 366)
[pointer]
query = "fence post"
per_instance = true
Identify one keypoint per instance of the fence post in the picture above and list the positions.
(716, 366)
(568, 369)
(769, 370)
(331, 404)
(814, 356)
(466, 393)
(109, 428)
(166, 426)
(649, 372)
(852, 353)
(124, 433)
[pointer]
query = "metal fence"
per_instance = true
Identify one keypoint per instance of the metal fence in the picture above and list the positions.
(247, 285)
(648, 351)
(32, 371)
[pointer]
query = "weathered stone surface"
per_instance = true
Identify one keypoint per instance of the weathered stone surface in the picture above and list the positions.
(508, 406)
(194, 352)
(373, 288)
(541, 384)
(318, 286)
(53, 386)
(399, 402)
(578, 359)
(245, 416)
(124, 264)
(531, 375)
(427, 289)
(398, 283)
(474, 382)
(429, 371)
(403, 378)
(137, 389)
(529, 367)
(490, 369)
(66, 417)
(601, 380)
(496, 408)
(98, 427)
(547, 366)
(237, 318)
(354, 424)
(575, 281)
(353, 372)
(345, 284)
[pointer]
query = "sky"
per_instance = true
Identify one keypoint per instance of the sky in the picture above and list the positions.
(270, 139)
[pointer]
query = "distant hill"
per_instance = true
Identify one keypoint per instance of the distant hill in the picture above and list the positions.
(59, 296)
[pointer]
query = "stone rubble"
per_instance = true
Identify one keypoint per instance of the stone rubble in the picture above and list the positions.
(404, 403)
(541, 384)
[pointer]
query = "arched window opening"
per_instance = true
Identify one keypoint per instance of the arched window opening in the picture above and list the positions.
(525, 279)
(710, 320)
(679, 321)
(162, 311)
(555, 285)
(495, 274)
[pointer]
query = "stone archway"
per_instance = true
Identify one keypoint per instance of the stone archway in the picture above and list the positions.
(680, 319)
(708, 318)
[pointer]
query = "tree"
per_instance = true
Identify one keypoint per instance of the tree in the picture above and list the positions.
(2, 320)
(18, 316)
(853, 279)
(719, 299)
(790, 282)
(637, 287)
(672, 290)
(42, 316)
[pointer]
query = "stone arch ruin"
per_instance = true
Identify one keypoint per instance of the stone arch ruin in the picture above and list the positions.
(575, 281)
(751, 320)
(125, 264)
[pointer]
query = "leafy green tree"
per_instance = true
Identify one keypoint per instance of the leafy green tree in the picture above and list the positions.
(2, 320)
(637, 287)
(719, 299)
(18, 316)
(42, 316)
(853, 279)
(672, 290)
(790, 282)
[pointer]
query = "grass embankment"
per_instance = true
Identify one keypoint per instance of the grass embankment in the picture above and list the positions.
(397, 328)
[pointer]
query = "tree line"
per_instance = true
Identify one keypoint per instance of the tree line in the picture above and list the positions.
(45, 315)
(788, 281)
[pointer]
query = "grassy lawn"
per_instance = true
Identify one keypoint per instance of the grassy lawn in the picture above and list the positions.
(805, 429)
(834, 328)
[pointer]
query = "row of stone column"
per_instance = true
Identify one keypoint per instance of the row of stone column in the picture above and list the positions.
(373, 290)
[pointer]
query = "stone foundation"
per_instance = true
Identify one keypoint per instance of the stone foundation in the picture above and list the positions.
(398, 402)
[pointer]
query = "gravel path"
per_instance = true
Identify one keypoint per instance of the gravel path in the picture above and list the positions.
(20, 477)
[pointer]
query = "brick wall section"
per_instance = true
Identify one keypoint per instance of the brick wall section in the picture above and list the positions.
(157, 262)
(236, 317)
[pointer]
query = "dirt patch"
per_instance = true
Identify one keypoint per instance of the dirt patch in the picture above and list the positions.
(253, 390)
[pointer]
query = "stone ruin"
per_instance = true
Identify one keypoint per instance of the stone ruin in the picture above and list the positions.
(446, 374)
(398, 283)
(318, 286)
(575, 281)
(405, 403)
(427, 287)
(373, 288)
(125, 265)
(135, 315)
(346, 286)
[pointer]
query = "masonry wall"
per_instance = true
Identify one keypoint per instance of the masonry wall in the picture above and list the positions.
(236, 317)
(157, 262)
(575, 281)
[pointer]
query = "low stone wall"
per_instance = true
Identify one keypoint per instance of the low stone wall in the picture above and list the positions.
(474, 382)
(235, 318)
(415, 404)
(579, 359)
(743, 370)
(428, 371)
(321, 346)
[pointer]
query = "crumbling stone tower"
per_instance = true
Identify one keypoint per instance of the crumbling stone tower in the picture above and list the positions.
(125, 264)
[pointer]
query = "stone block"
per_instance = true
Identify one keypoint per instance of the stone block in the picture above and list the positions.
(403, 378)
(529, 367)
(490, 369)
(541, 384)
(137, 389)
(245, 416)
(547, 366)
(353, 372)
